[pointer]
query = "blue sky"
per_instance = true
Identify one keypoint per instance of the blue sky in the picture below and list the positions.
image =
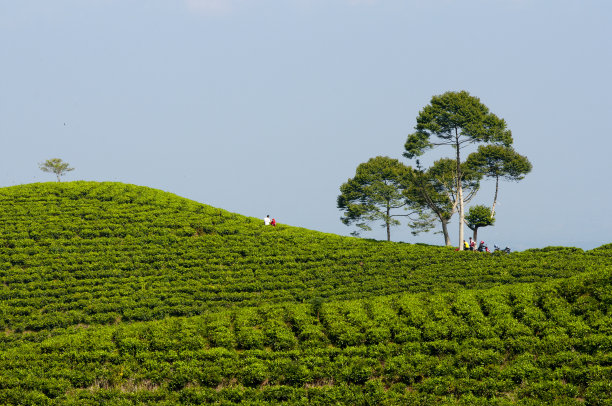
(267, 107)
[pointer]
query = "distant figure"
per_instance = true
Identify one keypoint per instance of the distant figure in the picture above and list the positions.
(472, 244)
(273, 223)
(466, 246)
(481, 246)
(267, 220)
(505, 250)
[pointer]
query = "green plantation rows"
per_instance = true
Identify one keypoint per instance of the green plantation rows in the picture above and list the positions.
(85, 287)
(102, 253)
(118, 294)
(546, 343)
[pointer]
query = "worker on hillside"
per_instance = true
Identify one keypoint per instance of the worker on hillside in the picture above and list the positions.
(273, 223)
(466, 246)
(267, 220)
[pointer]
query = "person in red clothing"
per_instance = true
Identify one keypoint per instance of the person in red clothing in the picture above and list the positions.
(273, 223)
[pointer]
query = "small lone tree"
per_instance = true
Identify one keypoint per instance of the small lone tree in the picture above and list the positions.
(479, 216)
(374, 193)
(56, 166)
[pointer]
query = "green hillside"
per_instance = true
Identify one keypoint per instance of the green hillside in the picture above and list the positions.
(120, 294)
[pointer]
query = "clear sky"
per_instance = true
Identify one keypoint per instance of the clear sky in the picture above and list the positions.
(268, 106)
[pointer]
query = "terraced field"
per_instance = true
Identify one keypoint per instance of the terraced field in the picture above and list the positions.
(119, 294)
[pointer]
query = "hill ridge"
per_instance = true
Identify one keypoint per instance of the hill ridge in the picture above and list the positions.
(115, 293)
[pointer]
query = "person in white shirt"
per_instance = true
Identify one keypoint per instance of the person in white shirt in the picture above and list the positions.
(267, 220)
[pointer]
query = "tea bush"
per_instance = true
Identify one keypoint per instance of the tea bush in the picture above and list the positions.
(118, 294)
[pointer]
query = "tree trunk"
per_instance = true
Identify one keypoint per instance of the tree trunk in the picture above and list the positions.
(495, 198)
(447, 239)
(475, 235)
(459, 192)
(388, 221)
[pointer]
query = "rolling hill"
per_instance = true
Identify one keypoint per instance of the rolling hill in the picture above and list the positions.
(121, 294)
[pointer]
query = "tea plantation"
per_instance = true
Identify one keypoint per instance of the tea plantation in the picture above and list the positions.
(125, 295)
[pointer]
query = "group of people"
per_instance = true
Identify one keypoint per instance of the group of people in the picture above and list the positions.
(482, 247)
(471, 246)
(269, 222)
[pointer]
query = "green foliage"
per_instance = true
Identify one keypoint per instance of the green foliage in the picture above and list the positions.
(456, 119)
(56, 166)
(434, 192)
(499, 161)
(454, 112)
(373, 193)
(111, 295)
(478, 216)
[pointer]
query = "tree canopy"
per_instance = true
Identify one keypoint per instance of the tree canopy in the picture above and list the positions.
(499, 162)
(56, 166)
(430, 195)
(374, 193)
(478, 216)
(435, 190)
(456, 119)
